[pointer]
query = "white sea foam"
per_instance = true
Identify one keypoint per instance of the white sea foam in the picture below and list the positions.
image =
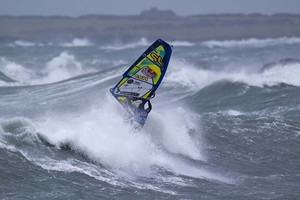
(186, 75)
(62, 67)
(233, 113)
(287, 74)
(118, 45)
(190, 77)
(59, 68)
(182, 44)
(23, 43)
(180, 142)
(252, 42)
(102, 135)
(108, 62)
(92, 170)
(15, 71)
(143, 42)
(78, 42)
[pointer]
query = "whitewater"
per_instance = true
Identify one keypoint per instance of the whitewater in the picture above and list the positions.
(224, 123)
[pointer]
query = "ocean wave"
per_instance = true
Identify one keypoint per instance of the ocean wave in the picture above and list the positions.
(188, 76)
(5, 78)
(61, 67)
(108, 62)
(23, 43)
(78, 42)
(287, 74)
(143, 42)
(231, 112)
(104, 137)
(117, 46)
(252, 42)
(14, 72)
(182, 44)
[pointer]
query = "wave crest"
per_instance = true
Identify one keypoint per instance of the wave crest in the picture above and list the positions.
(117, 46)
(188, 76)
(252, 42)
(59, 68)
(78, 42)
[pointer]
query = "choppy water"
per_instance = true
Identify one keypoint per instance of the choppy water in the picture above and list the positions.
(224, 125)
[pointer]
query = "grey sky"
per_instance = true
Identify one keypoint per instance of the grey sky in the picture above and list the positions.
(133, 7)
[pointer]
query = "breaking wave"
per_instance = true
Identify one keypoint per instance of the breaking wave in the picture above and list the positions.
(59, 68)
(143, 42)
(118, 45)
(13, 72)
(102, 135)
(62, 67)
(252, 42)
(221, 141)
(23, 43)
(195, 79)
(78, 42)
(182, 44)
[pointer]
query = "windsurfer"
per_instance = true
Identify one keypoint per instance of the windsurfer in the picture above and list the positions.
(141, 113)
(138, 111)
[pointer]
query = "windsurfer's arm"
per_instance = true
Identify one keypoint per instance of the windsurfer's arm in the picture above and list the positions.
(149, 107)
(153, 95)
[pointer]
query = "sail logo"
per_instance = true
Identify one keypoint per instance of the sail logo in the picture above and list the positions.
(149, 72)
(156, 58)
(130, 81)
(144, 78)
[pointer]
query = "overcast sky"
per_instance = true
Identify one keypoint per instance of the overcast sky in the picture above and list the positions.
(134, 7)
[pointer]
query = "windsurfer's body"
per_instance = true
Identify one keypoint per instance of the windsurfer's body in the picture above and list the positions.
(141, 80)
(141, 113)
(137, 110)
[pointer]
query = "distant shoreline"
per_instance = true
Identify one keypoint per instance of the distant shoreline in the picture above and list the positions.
(161, 24)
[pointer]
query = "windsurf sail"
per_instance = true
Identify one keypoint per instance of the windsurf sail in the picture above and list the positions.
(143, 78)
